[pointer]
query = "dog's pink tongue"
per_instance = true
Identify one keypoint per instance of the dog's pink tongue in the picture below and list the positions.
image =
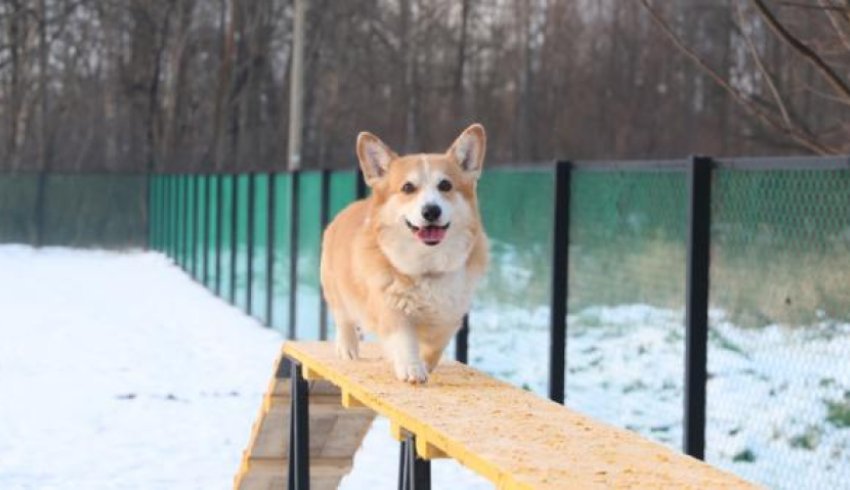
(431, 234)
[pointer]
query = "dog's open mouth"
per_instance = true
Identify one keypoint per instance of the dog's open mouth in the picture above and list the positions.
(431, 234)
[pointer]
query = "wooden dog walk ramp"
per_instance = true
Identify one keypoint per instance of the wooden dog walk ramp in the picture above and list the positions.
(513, 438)
(335, 435)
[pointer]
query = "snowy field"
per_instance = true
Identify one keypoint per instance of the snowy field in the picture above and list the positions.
(119, 371)
(778, 398)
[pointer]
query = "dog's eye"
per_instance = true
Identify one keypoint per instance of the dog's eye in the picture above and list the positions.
(444, 186)
(408, 188)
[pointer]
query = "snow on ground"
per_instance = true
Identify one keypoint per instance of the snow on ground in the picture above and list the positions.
(119, 371)
(778, 397)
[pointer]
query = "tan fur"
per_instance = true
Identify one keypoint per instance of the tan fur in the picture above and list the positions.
(378, 276)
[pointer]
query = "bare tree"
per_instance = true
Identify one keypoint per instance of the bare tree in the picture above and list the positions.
(776, 103)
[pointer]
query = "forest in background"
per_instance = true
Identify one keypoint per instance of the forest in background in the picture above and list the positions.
(136, 85)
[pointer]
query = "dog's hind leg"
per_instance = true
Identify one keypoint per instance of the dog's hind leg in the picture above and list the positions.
(432, 347)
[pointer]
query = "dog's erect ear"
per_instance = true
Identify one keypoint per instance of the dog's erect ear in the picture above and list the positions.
(468, 149)
(374, 156)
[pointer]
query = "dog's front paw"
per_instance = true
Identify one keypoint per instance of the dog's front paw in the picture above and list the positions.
(346, 352)
(411, 372)
(347, 347)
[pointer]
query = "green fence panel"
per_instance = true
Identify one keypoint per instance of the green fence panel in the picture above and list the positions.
(343, 190)
(159, 204)
(625, 340)
(95, 210)
(282, 242)
(17, 207)
(516, 211)
(170, 216)
(260, 263)
(213, 260)
(174, 219)
(151, 211)
(309, 237)
(186, 217)
(241, 234)
(778, 330)
(200, 227)
(226, 252)
(78, 210)
(189, 250)
(160, 212)
(179, 222)
(192, 232)
(178, 219)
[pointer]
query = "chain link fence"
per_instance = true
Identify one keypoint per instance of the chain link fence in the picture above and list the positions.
(626, 291)
(779, 350)
(778, 388)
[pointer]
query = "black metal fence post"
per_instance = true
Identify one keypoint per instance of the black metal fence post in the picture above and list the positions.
(234, 235)
(205, 275)
(172, 220)
(184, 253)
(163, 210)
(219, 221)
(462, 341)
(151, 209)
(696, 304)
(270, 227)
(560, 275)
(148, 215)
(299, 435)
(360, 189)
(160, 208)
(324, 216)
(293, 253)
(196, 179)
(249, 230)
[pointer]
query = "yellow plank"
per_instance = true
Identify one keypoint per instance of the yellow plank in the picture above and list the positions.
(309, 374)
(513, 438)
(426, 450)
(349, 401)
(397, 432)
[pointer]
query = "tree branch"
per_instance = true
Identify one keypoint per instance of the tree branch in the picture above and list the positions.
(806, 140)
(780, 102)
(833, 78)
(835, 18)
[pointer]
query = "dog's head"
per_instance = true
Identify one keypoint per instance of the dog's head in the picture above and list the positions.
(425, 209)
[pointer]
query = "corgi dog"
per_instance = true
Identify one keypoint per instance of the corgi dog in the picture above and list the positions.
(403, 263)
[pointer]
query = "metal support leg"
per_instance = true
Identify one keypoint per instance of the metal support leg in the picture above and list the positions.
(414, 472)
(299, 432)
(290, 472)
(403, 480)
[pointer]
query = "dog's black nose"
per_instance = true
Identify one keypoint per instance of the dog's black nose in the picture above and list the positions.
(431, 212)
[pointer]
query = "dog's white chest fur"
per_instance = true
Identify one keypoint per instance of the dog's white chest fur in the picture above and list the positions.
(436, 299)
